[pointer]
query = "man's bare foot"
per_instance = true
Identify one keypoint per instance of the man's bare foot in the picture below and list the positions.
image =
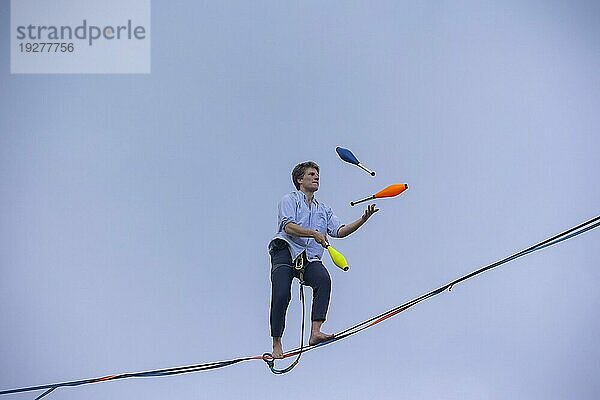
(319, 337)
(277, 349)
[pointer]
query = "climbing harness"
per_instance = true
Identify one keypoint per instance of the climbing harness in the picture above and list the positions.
(299, 266)
(267, 357)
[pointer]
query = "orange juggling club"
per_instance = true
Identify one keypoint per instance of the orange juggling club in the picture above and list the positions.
(390, 191)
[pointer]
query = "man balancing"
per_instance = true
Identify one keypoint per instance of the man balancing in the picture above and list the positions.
(303, 226)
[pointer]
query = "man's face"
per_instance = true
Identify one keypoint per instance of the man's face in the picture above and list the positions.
(310, 181)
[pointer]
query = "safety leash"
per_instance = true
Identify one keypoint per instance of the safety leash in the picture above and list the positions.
(268, 357)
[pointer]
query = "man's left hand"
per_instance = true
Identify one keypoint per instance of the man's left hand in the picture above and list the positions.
(372, 209)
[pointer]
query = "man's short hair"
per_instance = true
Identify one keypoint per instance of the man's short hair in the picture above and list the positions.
(300, 169)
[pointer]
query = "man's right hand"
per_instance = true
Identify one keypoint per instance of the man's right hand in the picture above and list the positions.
(320, 238)
(294, 229)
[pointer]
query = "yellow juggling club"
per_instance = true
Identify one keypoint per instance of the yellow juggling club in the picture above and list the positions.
(338, 258)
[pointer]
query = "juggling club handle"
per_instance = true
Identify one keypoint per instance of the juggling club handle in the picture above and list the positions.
(366, 169)
(353, 203)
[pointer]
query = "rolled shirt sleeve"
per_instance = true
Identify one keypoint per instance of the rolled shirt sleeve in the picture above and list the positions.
(333, 223)
(286, 212)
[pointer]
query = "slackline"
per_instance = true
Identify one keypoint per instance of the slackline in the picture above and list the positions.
(570, 233)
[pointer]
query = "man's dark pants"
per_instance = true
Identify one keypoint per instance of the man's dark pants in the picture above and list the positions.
(282, 273)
